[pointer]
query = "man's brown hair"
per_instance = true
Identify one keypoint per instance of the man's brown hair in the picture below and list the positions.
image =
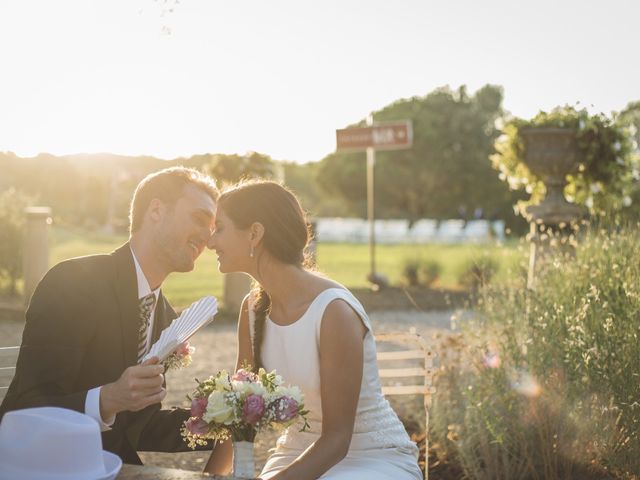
(166, 185)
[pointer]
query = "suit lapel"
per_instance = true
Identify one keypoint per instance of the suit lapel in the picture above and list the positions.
(127, 294)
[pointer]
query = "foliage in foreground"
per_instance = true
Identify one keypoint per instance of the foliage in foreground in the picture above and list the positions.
(545, 383)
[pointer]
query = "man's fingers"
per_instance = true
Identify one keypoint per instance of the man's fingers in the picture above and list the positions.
(145, 383)
(147, 370)
(151, 361)
(156, 397)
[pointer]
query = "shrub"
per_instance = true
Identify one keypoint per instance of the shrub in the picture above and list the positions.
(478, 272)
(604, 181)
(547, 385)
(410, 272)
(417, 271)
(429, 271)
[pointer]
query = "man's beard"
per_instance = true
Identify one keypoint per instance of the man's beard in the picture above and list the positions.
(174, 257)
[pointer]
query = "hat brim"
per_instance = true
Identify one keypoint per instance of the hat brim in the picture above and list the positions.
(112, 465)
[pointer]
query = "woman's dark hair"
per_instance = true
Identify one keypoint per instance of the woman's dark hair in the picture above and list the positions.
(286, 234)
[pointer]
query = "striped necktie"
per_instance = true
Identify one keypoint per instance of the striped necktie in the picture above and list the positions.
(146, 305)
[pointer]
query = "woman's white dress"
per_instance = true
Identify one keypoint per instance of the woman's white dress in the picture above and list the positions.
(380, 447)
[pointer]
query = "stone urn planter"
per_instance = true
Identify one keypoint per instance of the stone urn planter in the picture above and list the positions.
(551, 153)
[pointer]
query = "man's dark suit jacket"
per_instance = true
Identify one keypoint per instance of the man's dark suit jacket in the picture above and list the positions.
(82, 332)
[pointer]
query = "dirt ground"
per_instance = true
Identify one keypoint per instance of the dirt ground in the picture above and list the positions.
(216, 349)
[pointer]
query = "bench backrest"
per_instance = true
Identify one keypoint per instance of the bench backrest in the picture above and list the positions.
(408, 365)
(8, 359)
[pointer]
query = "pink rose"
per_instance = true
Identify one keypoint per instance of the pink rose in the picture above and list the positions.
(243, 375)
(183, 349)
(198, 406)
(286, 409)
(197, 426)
(253, 408)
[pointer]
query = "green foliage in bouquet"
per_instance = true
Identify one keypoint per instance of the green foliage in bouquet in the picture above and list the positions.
(605, 178)
(545, 383)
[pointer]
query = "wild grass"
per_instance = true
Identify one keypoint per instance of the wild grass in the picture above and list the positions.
(546, 383)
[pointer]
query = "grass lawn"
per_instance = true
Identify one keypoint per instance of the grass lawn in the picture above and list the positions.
(346, 263)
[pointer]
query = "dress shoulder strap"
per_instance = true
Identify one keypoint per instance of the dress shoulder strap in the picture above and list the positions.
(327, 296)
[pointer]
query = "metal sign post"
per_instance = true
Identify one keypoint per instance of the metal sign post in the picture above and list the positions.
(386, 136)
(373, 277)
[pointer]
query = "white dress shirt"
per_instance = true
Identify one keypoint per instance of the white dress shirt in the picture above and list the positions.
(92, 402)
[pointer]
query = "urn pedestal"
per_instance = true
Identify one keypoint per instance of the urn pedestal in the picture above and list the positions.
(551, 154)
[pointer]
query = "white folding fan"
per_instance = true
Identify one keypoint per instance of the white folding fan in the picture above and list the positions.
(199, 314)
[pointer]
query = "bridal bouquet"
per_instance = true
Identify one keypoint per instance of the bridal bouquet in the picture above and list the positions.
(240, 405)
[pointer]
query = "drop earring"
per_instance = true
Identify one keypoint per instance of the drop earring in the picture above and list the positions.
(251, 252)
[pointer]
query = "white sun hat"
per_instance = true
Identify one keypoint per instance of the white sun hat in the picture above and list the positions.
(51, 443)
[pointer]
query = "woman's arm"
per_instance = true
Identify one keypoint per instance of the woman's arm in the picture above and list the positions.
(341, 362)
(221, 458)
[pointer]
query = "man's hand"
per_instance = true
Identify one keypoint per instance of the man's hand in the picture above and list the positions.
(138, 387)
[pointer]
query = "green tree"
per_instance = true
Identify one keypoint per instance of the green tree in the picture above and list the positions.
(446, 174)
(629, 118)
(301, 178)
(233, 168)
(12, 205)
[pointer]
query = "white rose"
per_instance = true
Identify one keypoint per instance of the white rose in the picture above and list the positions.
(246, 388)
(292, 392)
(217, 409)
(239, 387)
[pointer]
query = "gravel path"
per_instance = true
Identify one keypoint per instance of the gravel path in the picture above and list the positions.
(216, 349)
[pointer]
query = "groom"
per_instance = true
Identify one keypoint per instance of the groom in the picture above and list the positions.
(92, 319)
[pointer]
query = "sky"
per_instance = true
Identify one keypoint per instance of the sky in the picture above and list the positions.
(280, 76)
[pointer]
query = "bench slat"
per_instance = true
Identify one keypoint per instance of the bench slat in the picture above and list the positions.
(402, 372)
(9, 354)
(406, 390)
(401, 355)
(6, 375)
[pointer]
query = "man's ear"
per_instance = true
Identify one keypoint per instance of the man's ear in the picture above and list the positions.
(256, 232)
(156, 210)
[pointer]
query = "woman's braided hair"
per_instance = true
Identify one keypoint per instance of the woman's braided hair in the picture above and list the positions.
(286, 235)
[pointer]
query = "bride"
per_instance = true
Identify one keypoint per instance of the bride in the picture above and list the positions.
(316, 335)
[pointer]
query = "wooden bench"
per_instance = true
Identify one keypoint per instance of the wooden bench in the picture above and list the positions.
(8, 359)
(407, 369)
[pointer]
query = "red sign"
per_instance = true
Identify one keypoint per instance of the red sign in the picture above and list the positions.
(382, 136)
